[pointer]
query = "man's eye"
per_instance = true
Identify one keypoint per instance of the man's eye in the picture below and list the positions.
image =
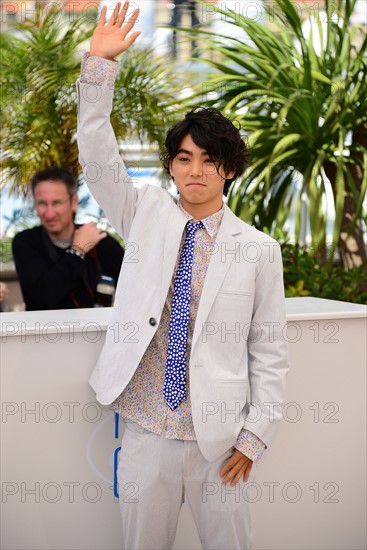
(209, 161)
(183, 159)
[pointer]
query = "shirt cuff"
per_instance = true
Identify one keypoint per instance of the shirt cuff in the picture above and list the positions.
(96, 70)
(250, 445)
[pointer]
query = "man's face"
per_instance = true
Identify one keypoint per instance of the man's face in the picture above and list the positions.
(198, 181)
(55, 208)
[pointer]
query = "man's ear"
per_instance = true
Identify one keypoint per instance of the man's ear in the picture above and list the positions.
(170, 168)
(230, 175)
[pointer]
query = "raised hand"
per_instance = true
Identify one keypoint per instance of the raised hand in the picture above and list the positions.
(111, 39)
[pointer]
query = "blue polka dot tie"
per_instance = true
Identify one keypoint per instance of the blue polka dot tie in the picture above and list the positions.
(174, 389)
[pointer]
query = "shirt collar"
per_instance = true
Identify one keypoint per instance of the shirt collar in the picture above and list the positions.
(211, 223)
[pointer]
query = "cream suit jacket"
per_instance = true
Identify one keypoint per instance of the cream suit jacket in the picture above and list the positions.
(239, 360)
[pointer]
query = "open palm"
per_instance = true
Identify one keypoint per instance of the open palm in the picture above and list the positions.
(110, 40)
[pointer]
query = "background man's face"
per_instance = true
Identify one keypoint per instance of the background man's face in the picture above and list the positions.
(197, 178)
(55, 208)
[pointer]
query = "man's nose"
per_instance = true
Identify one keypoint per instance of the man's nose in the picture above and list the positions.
(197, 168)
(49, 211)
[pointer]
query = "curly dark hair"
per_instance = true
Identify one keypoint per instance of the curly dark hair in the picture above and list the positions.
(215, 133)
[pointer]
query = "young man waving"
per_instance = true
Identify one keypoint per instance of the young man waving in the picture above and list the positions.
(199, 308)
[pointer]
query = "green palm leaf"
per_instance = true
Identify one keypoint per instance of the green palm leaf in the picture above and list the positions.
(39, 67)
(305, 112)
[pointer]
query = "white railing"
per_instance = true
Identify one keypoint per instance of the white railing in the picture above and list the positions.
(58, 444)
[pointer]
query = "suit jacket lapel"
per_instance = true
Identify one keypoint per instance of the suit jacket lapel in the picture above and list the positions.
(219, 263)
(173, 235)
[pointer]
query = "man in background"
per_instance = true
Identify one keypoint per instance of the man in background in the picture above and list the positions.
(60, 263)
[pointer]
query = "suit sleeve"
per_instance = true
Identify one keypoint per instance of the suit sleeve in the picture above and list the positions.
(267, 347)
(43, 284)
(103, 168)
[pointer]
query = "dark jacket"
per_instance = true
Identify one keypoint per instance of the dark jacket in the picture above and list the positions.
(51, 278)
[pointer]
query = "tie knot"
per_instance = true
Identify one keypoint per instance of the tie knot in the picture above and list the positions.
(193, 226)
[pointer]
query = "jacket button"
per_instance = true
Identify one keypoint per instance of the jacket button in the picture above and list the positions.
(152, 321)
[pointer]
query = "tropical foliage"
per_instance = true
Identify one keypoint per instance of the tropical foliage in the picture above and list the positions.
(305, 111)
(40, 63)
(305, 275)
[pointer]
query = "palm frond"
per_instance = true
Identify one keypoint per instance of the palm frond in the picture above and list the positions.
(39, 67)
(298, 104)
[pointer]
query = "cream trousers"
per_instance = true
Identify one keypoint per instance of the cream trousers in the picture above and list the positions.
(155, 474)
